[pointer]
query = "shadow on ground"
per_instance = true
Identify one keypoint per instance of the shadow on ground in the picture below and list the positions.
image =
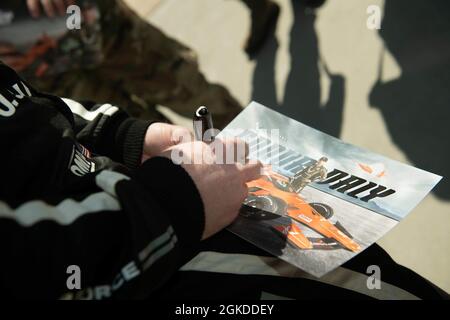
(415, 106)
(301, 99)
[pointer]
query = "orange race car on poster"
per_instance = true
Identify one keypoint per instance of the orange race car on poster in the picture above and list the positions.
(272, 196)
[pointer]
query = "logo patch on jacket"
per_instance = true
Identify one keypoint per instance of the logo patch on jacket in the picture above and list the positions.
(80, 162)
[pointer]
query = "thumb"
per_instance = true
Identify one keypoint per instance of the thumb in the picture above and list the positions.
(179, 134)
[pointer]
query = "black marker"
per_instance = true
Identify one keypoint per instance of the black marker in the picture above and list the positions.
(202, 122)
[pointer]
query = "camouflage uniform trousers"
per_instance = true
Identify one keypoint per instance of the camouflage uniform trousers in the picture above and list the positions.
(142, 68)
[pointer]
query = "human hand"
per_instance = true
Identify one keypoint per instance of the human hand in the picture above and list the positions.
(160, 136)
(222, 187)
(51, 7)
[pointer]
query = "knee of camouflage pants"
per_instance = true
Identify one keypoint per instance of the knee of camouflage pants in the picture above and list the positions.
(161, 70)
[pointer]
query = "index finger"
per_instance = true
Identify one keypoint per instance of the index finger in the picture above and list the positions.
(236, 150)
(48, 8)
(33, 8)
(251, 171)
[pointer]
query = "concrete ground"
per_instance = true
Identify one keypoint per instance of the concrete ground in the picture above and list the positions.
(331, 61)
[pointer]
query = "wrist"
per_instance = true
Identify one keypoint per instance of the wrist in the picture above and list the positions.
(131, 139)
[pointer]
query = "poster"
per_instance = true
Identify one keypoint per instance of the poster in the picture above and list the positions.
(323, 201)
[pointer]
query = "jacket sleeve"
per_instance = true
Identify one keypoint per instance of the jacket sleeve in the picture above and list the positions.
(111, 232)
(108, 130)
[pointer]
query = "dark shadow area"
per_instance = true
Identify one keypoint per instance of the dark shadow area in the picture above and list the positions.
(301, 99)
(264, 87)
(415, 106)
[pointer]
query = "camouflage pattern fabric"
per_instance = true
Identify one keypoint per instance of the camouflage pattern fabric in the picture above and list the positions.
(142, 67)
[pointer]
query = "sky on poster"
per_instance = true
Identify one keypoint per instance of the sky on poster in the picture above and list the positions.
(411, 184)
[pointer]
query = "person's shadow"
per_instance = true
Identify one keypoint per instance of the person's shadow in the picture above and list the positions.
(301, 100)
(415, 106)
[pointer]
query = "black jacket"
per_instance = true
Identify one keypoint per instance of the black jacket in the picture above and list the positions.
(73, 192)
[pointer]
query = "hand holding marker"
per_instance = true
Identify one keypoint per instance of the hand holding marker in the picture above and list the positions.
(203, 125)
